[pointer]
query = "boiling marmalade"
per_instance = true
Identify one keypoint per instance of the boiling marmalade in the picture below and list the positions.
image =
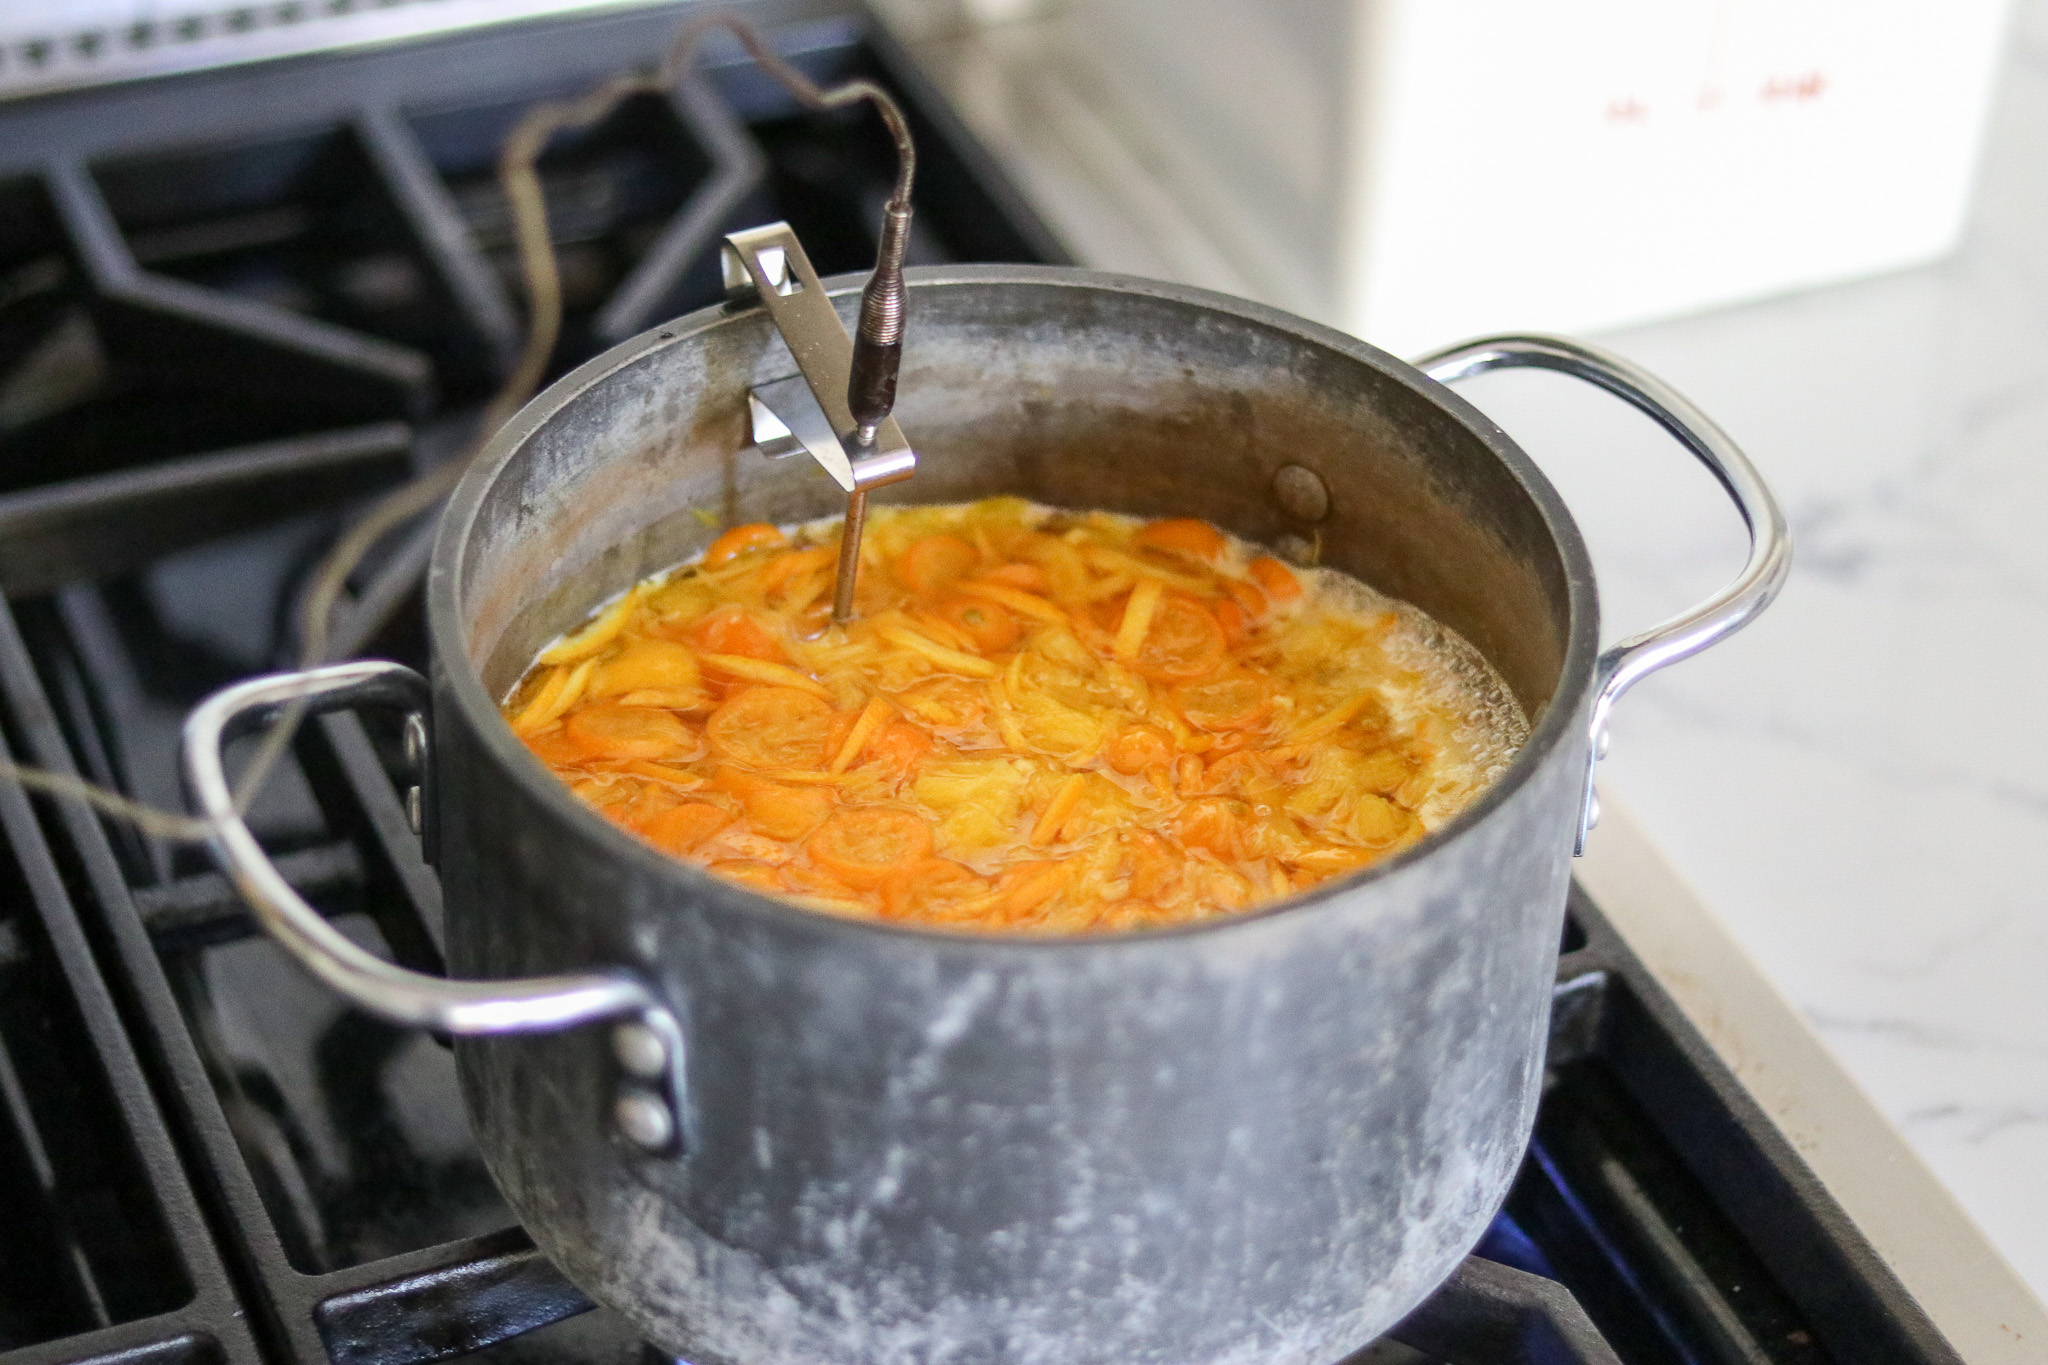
(1040, 722)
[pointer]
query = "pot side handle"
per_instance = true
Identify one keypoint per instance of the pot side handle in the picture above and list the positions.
(647, 1040)
(1629, 661)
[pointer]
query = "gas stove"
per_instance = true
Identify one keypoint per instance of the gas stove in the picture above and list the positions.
(234, 306)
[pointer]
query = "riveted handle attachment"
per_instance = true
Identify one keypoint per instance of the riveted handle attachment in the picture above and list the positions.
(1628, 662)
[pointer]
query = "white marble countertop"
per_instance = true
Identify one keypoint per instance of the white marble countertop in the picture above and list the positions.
(1858, 785)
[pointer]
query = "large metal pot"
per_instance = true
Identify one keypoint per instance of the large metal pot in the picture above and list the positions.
(809, 1140)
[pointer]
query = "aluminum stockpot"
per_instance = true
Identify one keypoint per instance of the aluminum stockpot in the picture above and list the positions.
(774, 1137)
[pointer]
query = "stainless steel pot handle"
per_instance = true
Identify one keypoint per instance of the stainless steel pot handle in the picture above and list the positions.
(1628, 662)
(648, 1043)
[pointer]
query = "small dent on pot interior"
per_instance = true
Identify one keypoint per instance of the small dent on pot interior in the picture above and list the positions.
(1301, 492)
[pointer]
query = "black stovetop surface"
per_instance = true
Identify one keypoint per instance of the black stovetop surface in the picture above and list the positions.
(233, 307)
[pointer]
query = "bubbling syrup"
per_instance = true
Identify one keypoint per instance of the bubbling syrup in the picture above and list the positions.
(1041, 721)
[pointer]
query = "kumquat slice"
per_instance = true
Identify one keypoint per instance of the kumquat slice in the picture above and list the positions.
(771, 727)
(935, 563)
(741, 539)
(861, 847)
(1181, 642)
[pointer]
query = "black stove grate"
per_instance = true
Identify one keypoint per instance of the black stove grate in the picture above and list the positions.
(231, 309)
(104, 1251)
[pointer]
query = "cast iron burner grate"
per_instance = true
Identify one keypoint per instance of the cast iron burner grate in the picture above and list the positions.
(234, 307)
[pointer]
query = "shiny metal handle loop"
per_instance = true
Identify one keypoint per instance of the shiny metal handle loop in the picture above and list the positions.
(468, 1008)
(1628, 662)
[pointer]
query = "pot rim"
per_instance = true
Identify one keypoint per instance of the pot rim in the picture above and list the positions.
(465, 684)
